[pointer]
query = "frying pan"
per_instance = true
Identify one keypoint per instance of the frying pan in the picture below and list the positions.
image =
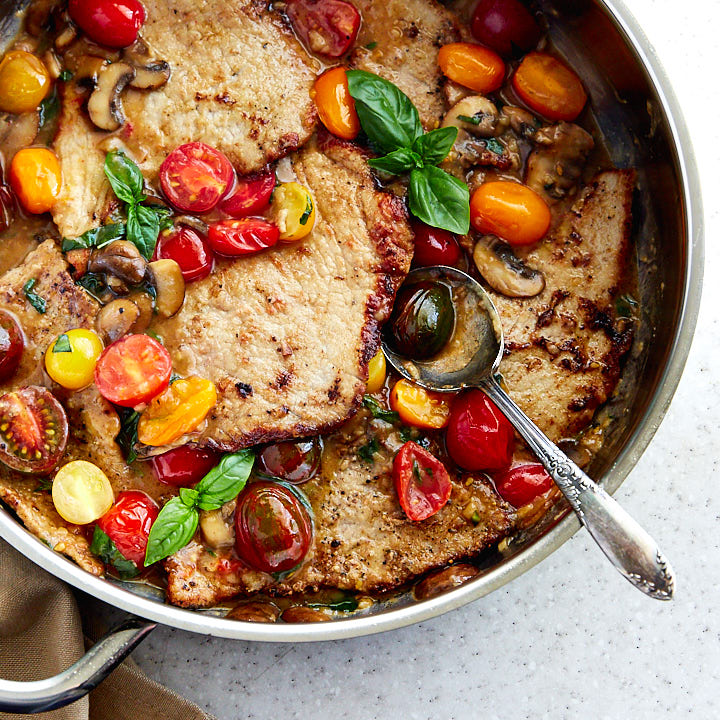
(640, 119)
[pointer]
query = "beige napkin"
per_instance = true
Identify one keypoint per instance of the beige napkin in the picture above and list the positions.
(41, 634)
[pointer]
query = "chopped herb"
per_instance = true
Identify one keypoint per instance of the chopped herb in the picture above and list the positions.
(44, 484)
(65, 75)
(127, 437)
(367, 451)
(371, 45)
(494, 146)
(474, 120)
(155, 336)
(62, 344)
(93, 284)
(211, 552)
(33, 298)
(475, 517)
(406, 433)
(416, 472)
(107, 551)
(625, 306)
(346, 604)
(174, 378)
(97, 237)
(49, 109)
(378, 411)
(308, 211)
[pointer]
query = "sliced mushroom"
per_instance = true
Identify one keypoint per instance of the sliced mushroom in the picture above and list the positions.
(302, 614)
(116, 319)
(146, 305)
(192, 222)
(150, 74)
(121, 259)
(264, 612)
(476, 115)
(170, 285)
(504, 271)
(524, 123)
(443, 580)
(88, 69)
(66, 36)
(105, 105)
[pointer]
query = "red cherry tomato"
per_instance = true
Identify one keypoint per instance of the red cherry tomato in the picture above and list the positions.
(188, 249)
(12, 345)
(133, 370)
(434, 246)
(242, 237)
(114, 23)
(506, 26)
(295, 462)
(273, 527)
(127, 523)
(194, 177)
(523, 483)
(250, 195)
(421, 481)
(479, 436)
(327, 27)
(184, 466)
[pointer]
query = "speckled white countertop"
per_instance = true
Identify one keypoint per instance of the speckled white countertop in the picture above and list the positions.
(570, 638)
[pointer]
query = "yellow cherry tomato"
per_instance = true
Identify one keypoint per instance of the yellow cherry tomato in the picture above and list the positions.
(24, 82)
(176, 411)
(70, 360)
(376, 372)
(474, 66)
(419, 407)
(335, 105)
(36, 178)
(81, 492)
(293, 211)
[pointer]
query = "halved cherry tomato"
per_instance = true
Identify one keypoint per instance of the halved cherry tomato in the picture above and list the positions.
(24, 82)
(434, 246)
(421, 482)
(33, 429)
(327, 27)
(293, 461)
(511, 211)
(81, 492)
(188, 249)
(133, 370)
(114, 23)
(523, 483)
(12, 344)
(177, 411)
(273, 527)
(549, 87)
(127, 523)
(377, 370)
(419, 407)
(293, 210)
(335, 105)
(184, 466)
(71, 358)
(194, 177)
(479, 436)
(250, 195)
(246, 236)
(506, 26)
(36, 178)
(473, 66)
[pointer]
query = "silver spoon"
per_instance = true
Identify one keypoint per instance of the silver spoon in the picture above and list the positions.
(470, 360)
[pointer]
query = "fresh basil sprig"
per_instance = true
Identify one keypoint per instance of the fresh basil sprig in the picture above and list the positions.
(378, 411)
(37, 301)
(392, 124)
(178, 520)
(98, 237)
(107, 551)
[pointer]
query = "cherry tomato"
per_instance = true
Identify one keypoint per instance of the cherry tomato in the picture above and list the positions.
(523, 483)
(511, 211)
(377, 371)
(127, 523)
(24, 82)
(327, 27)
(246, 236)
(114, 23)
(434, 246)
(549, 87)
(273, 527)
(250, 195)
(188, 249)
(421, 482)
(479, 436)
(184, 466)
(419, 407)
(473, 66)
(294, 461)
(33, 429)
(12, 345)
(194, 177)
(293, 211)
(70, 359)
(335, 105)
(506, 26)
(133, 370)
(81, 492)
(36, 178)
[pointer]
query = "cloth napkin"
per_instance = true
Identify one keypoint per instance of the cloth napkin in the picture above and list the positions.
(41, 634)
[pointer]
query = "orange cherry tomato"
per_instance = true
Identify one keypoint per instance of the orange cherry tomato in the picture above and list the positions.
(474, 66)
(511, 211)
(36, 178)
(419, 407)
(549, 87)
(177, 411)
(24, 82)
(335, 105)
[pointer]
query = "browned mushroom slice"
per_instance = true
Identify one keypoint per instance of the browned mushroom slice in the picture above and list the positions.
(117, 319)
(105, 105)
(88, 69)
(150, 74)
(504, 271)
(476, 115)
(170, 285)
(120, 258)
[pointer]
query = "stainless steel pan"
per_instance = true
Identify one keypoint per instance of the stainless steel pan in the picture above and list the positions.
(640, 118)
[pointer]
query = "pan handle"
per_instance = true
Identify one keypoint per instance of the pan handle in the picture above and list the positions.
(79, 679)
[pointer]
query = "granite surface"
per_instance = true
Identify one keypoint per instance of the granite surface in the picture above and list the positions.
(570, 638)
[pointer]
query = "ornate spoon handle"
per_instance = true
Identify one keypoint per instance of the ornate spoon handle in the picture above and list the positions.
(633, 552)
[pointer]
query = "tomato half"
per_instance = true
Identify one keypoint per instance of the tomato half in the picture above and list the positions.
(188, 249)
(474, 66)
(295, 462)
(184, 466)
(327, 27)
(246, 236)
(133, 370)
(127, 523)
(434, 246)
(523, 483)
(250, 195)
(506, 26)
(194, 177)
(273, 527)
(419, 407)
(335, 105)
(36, 178)
(421, 481)
(24, 82)
(114, 23)
(12, 345)
(479, 436)
(33, 430)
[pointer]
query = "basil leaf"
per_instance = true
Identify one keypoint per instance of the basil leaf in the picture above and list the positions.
(472, 120)
(367, 451)
(307, 212)
(378, 411)
(125, 177)
(93, 284)
(397, 162)
(386, 114)
(62, 344)
(127, 437)
(346, 604)
(439, 199)
(107, 551)
(65, 75)
(143, 227)
(173, 529)
(48, 109)
(189, 497)
(97, 237)
(626, 306)
(33, 298)
(225, 480)
(434, 146)
(494, 146)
